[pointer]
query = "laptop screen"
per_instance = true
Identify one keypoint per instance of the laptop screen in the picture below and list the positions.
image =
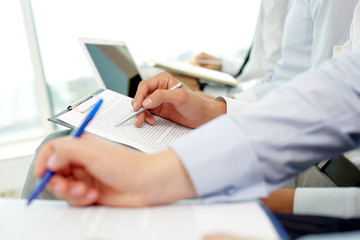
(115, 67)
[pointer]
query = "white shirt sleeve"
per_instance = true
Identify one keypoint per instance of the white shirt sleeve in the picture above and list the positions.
(332, 202)
(247, 155)
(234, 105)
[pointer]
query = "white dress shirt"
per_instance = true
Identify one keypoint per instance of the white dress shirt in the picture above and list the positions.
(266, 47)
(311, 30)
(247, 155)
(354, 40)
(335, 202)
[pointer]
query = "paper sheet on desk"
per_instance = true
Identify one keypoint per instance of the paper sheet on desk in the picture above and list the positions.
(55, 220)
(148, 138)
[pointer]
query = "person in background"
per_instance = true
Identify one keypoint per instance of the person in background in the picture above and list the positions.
(326, 201)
(312, 29)
(264, 52)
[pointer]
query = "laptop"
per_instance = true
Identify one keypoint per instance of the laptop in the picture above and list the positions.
(113, 66)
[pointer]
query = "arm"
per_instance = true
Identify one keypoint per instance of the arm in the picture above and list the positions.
(251, 154)
(234, 157)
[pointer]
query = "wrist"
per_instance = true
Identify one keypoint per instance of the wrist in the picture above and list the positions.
(167, 180)
(214, 109)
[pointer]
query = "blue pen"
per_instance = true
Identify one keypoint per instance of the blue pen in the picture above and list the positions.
(74, 134)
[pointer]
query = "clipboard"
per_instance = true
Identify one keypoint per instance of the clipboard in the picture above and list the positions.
(74, 106)
(115, 107)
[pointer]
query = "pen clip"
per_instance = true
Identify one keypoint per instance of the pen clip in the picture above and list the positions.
(84, 105)
(77, 103)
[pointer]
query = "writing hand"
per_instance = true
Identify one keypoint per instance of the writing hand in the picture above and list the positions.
(91, 170)
(181, 105)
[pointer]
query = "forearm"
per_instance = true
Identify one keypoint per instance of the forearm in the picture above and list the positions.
(213, 109)
(166, 180)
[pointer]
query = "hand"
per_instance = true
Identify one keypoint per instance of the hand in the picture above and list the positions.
(205, 56)
(280, 201)
(181, 105)
(91, 170)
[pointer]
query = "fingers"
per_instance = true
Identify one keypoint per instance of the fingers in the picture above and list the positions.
(144, 117)
(207, 61)
(161, 81)
(75, 192)
(66, 151)
(176, 97)
(44, 155)
(59, 154)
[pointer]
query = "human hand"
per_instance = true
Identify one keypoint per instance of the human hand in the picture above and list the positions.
(281, 200)
(180, 105)
(91, 170)
(208, 61)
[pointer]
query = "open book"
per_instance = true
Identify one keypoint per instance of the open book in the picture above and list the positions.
(149, 139)
(195, 71)
(48, 219)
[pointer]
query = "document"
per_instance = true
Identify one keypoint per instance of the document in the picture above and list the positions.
(149, 139)
(47, 219)
(195, 71)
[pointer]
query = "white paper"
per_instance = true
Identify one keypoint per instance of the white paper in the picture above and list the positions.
(196, 71)
(116, 107)
(46, 219)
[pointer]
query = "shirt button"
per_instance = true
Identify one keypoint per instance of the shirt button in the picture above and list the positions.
(230, 191)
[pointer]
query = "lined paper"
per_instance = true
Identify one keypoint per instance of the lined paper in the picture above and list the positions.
(149, 139)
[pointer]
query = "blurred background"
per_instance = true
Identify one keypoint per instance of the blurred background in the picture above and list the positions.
(43, 68)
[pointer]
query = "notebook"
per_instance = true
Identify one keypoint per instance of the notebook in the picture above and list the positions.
(113, 65)
(209, 75)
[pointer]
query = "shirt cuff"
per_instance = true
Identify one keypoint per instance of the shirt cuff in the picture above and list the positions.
(230, 173)
(332, 202)
(231, 66)
(234, 105)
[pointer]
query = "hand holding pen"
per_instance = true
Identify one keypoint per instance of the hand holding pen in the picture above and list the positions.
(181, 105)
(142, 109)
(74, 134)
